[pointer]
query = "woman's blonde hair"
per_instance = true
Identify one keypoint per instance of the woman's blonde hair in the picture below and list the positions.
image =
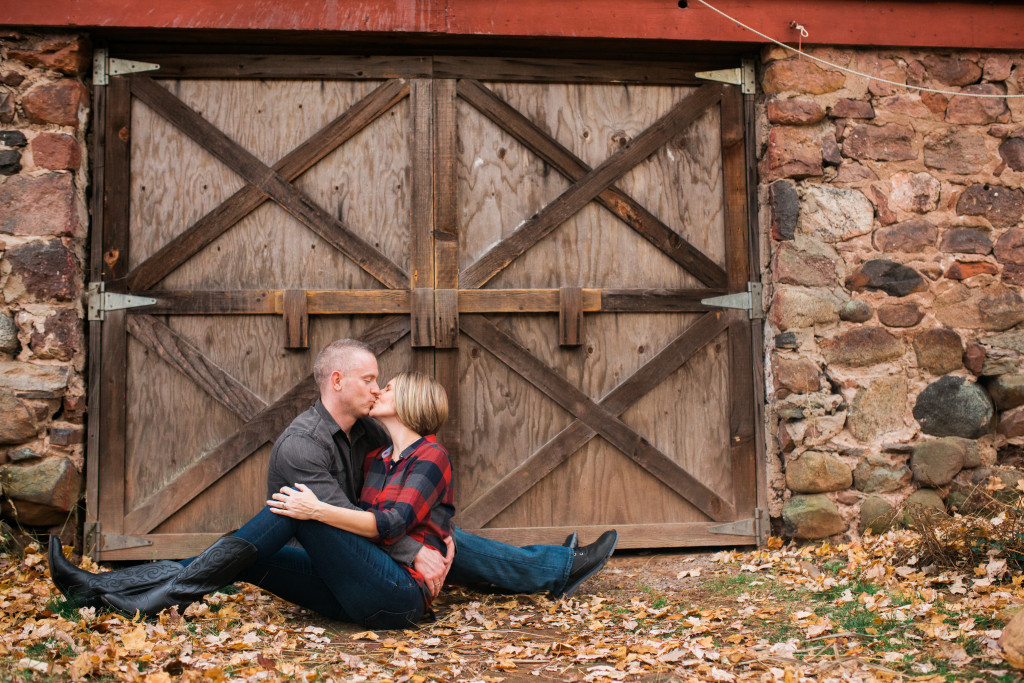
(420, 402)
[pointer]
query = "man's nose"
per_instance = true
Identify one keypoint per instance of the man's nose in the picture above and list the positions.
(375, 390)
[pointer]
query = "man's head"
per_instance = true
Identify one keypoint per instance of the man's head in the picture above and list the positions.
(346, 373)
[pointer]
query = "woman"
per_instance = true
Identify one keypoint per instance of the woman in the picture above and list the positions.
(349, 578)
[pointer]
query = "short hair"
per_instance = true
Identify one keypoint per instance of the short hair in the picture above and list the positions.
(421, 403)
(336, 356)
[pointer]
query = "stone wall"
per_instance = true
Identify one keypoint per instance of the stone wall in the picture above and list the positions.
(44, 108)
(894, 261)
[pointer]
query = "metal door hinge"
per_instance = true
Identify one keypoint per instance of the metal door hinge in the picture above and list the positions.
(101, 301)
(750, 300)
(743, 527)
(122, 542)
(742, 76)
(104, 66)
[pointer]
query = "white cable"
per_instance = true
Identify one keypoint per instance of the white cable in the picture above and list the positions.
(843, 68)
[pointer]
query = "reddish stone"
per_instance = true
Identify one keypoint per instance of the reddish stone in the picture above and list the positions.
(956, 150)
(797, 375)
(1010, 247)
(800, 75)
(940, 351)
(952, 70)
(67, 54)
(963, 270)
(882, 210)
(908, 236)
(900, 315)
(997, 67)
(977, 110)
(66, 436)
(1012, 153)
(61, 103)
(61, 337)
(965, 241)
(916, 73)
(47, 270)
(861, 346)
(852, 109)
(935, 102)
(830, 153)
(895, 279)
(1011, 424)
(1013, 274)
(42, 205)
(794, 267)
(891, 142)
(56, 151)
(1002, 206)
(74, 406)
(794, 112)
(12, 78)
(785, 203)
(786, 441)
(917, 192)
(974, 357)
(852, 172)
(6, 109)
(883, 68)
(17, 422)
(906, 105)
(793, 153)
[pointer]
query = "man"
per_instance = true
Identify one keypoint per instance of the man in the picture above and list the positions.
(324, 448)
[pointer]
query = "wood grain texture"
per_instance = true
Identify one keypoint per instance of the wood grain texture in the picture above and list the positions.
(187, 243)
(570, 316)
(671, 535)
(539, 70)
(292, 67)
(295, 319)
(421, 316)
(421, 220)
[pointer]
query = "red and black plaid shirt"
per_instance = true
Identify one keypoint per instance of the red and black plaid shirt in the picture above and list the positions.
(411, 495)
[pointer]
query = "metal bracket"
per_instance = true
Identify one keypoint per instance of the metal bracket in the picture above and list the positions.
(105, 66)
(750, 301)
(743, 527)
(122, 542)
(742, 76)
(101, 301)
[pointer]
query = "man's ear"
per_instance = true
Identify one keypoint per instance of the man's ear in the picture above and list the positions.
(336, 380)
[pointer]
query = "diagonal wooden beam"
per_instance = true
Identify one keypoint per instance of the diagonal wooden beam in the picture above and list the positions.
(630, 211)
(263, 428)
(491, 502)
(191, 362)
(249, 198)
(601, 420)
(255, 172)
(589, 186)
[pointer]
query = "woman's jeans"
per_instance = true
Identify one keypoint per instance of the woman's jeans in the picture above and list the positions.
(512, 569)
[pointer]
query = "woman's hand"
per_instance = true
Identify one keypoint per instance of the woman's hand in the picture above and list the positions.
(298, 503)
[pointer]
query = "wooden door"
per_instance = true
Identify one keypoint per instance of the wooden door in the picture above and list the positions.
(536, 236)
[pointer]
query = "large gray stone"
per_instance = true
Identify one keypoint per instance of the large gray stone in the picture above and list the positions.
(923, 505)
(951, 407)
(17, 420)
(794, 308)
(876, 474)
(43, 493)
(20, 376)
(1007, 391)
(785, 203)
(813, 431)
(875, 515)
(878, 408)
(895, 279)
(813, 516)
(834, 214)
(1011, 339)
(817, 472)
(861, 346)
(936, 462)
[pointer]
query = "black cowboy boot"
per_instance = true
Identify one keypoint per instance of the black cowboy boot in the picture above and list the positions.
(215, 568)
(587, 560)
(83, 589)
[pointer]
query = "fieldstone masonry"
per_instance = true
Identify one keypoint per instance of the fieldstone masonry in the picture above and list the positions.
(44, 112)
(893, 257)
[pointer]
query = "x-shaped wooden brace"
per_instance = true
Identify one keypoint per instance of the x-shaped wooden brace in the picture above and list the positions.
(593, 419)
(262, 423)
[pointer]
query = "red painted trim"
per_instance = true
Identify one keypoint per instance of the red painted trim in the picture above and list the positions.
(910, 23)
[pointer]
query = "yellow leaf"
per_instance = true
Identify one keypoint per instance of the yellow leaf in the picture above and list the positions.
(366, 635)
(135, 639)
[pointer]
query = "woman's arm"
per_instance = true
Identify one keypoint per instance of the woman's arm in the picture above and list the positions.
(301, 503)
(398, 509)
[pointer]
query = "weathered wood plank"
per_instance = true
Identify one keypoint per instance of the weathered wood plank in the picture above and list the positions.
(184, 357)
(263, 428)
(295, 319)
(290, 198)
(446, 226)
(598, 418)
(630, 211)
(656, 300)
(538, 70)
(673, 535)
(446, 318)
(488, 504)
(249, 198)
(422, 317)
(348, 67)
(421, 221)
(570, 316)
(589, 186)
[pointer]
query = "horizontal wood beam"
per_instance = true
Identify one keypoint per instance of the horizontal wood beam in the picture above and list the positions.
(654, 535)
(398, 302)
(912, 23)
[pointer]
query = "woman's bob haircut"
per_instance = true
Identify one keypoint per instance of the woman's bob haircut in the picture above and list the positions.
(421, 403)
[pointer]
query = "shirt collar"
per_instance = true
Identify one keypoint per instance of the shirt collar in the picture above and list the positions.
(332, 425)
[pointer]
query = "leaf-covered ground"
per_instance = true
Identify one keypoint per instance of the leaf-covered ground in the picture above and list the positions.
(783, 613)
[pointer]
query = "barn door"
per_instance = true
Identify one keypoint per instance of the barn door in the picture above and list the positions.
(541, 247)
